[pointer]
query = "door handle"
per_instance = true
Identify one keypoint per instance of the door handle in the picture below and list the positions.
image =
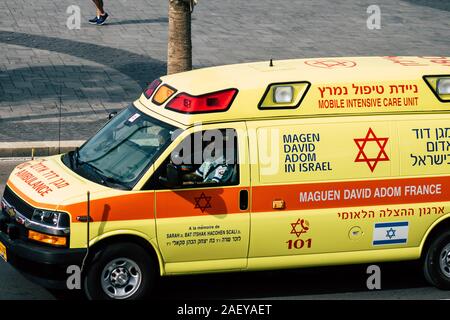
(243, 200)
(278, 204)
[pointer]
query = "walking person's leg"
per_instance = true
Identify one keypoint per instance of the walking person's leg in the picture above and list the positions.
(101, 14)
(99, 6)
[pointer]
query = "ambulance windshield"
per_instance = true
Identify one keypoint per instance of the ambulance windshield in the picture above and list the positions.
(119, 154)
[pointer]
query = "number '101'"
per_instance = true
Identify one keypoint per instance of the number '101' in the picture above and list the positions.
(299, 243)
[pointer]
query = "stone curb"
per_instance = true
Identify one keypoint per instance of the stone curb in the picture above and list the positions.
(36, 148)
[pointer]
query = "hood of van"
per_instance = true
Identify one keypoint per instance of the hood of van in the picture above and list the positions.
(48, 183)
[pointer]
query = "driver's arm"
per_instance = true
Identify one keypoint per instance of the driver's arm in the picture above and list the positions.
(196, 176)
(192, 177)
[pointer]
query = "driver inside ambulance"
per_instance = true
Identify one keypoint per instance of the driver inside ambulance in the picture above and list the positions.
(214, 169)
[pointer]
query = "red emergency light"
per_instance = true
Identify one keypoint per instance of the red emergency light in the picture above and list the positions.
(210, 102)
(151, 88)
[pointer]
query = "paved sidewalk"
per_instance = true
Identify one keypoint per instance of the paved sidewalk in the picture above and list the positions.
(93, 70)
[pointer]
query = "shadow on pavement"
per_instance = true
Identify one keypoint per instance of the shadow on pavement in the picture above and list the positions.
(296, 283)
(79, 82)
(310, 283)
(436, 4)
(11, 131)
(140, 68)
(136, 21)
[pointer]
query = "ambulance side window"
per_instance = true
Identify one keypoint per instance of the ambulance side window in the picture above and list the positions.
(203, 159)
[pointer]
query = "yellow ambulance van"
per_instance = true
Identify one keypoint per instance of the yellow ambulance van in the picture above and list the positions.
(257, 166)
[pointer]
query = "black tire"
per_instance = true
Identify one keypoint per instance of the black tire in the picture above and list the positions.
(115, 256)
(436, 271)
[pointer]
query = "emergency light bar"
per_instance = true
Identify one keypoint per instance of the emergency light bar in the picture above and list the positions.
(163, 94)
(211, 102)
(151, 88)
(443, 86)
(284, 95)
(440, 85)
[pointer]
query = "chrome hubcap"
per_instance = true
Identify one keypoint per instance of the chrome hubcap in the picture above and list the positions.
(121, 278)
(444, 260)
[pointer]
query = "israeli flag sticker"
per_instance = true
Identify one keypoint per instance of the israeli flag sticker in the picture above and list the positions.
(390, 233)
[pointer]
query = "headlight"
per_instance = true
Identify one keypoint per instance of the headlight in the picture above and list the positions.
(52, 222)
(283, 94)
(443, 86)
(49, 218)
(440, 85)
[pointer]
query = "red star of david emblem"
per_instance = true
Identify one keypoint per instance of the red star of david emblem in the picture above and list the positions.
(302, 224)
(381, 156)
(203, 202)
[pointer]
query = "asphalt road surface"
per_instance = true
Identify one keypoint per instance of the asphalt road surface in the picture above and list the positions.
(12, 284)
(401, 280)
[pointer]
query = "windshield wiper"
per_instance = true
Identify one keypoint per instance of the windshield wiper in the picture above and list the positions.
(117, 182)
(103, 178)
(73, 158)
(75, 162)
(78, 163)
(76, 156)
(98, 172)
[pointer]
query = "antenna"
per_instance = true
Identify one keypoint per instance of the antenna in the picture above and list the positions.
(88, 218)
(59, 120)
(271, 63)
(88, 230)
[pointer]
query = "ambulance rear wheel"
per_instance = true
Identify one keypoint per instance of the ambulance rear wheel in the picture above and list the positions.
(437, 262)
(120, 272)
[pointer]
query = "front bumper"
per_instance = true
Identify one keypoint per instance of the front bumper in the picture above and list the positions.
(44, 265)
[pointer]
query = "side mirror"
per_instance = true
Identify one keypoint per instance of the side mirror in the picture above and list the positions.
(112, 115)
(173, 179)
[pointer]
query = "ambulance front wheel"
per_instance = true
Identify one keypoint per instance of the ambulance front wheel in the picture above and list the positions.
(118, 272)
(437, 262)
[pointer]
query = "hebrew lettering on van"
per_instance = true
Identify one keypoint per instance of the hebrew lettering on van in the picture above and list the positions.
(300, 153)
(367, 214)
(365, 96)
(200, 235)
(435, 147)
(419, 61)
(40, 177)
